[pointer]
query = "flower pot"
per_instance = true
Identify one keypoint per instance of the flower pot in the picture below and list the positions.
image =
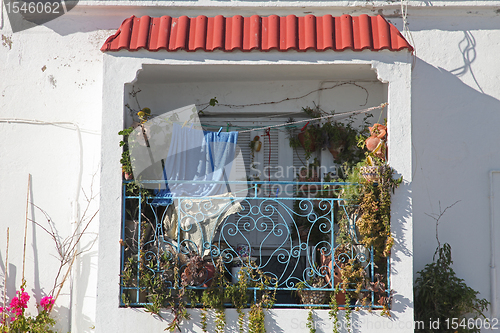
(127, 176)
(378, 130)
(377, 147)
(307, 136)
(336, 148)
(326, 261)
(235, 274)
(210, 272)
(376, 142)
(313, 296)
(370, 173)
(372, 143)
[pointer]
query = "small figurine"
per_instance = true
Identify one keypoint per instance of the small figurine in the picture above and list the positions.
(256, 145)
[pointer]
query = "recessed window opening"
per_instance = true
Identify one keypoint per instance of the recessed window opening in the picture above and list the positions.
(284, 233)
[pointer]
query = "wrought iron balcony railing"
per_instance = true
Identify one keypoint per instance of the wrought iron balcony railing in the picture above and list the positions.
(284, 232)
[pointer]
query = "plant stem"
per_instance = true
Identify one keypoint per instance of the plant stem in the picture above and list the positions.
(437, 217)
(65, 276)
(26, 226)
(5, 277)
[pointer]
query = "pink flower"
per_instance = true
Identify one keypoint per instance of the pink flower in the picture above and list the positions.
(24, 298)
(47, 302)
(19, 303)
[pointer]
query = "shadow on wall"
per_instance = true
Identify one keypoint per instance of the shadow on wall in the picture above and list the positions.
(84, 323)
(11, 280)
(467, 47)
(232, 325)
(401, 207)
(455, 131)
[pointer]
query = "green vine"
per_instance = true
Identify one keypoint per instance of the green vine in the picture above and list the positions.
(370, 200)
(256, 318)
(266, 300)
(238, 295)
(310, 321)
(163, 290)
(125, 159)
(334, 310)
(348, 313)
(213, 298)
(204, 320)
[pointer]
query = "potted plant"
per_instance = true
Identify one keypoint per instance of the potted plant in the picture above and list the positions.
(143, 115)
(370, 171)
(308, 137)
(308, 295)
(331, 269)
(125, 159)
(197, 272)
(366, 224)
(338, 137)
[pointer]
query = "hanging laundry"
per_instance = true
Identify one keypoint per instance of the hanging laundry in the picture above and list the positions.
(198, 168)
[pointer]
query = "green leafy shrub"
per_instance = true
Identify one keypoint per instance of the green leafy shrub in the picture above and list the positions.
(442, 296)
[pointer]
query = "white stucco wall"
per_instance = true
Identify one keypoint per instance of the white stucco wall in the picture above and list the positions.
(455, 111)
(55, 73)
(50, 119)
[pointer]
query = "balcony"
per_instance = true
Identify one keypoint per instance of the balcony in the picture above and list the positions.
(280, 234)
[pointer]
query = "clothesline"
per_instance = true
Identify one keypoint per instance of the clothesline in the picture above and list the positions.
(318, 118)
(247, 129)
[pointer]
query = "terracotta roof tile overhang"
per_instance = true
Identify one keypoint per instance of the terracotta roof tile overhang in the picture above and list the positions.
(282, 33)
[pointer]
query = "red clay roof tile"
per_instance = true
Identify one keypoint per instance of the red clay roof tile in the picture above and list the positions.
(290, 32)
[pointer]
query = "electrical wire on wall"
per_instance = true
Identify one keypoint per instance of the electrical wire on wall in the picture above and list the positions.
(406, 30)
(63, 124)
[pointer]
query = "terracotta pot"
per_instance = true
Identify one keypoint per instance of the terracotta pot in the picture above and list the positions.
(378, 130)
(375, 143)
(302, 136)
(127, 176)
(336, 148)
(326, 261)
(210, 272)
(372, 142)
